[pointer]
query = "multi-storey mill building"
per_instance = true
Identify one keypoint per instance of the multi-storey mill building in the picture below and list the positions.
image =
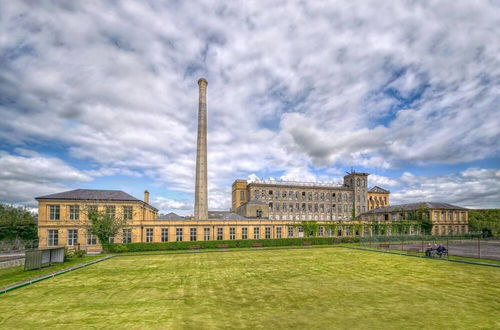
(297, 201)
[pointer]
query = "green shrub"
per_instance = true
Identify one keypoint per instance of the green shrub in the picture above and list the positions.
(139, 247)
(79, 253)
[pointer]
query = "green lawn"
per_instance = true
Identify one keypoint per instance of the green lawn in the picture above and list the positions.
(14, 275)
(302, 289)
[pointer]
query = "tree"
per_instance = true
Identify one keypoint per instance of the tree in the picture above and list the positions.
(104, 225)
(17, 222)
(486, 221)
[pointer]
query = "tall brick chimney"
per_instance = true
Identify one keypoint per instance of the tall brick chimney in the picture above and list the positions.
(201, 190)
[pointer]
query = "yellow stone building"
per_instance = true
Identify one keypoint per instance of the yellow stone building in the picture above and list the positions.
(299, 201)
(378, 197)
(447, 219)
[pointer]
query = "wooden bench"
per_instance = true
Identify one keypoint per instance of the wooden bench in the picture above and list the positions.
(384, 246)
(256, 245)
(222, 246)
(194, 247)
(307, 243)
(414, 250)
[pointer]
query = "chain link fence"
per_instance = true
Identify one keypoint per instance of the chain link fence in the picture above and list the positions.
(17, 245)
(466, 246)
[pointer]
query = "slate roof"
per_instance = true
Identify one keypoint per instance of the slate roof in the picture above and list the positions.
(224, 215)
(415, 206)
(377, 189)
(93, 195)
(171, 216)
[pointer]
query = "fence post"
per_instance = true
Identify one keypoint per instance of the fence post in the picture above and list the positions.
(447, 249)
(479, 247)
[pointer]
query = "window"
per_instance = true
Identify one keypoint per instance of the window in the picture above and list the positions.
(259, 214)
(256, 233)
(149, 235)
(91, 239)
(74, 212)
(192, 234)
(127, 235)
(242, 195)
(72, 237)
(268, 232)
(110, 211)
(127, 213)
(91, 209)
(321, 231)
(244, 233)
(53, 238)
(178, 234)
(164, 234)
(54, 211)
(206, 234)
(232, 233)
(220, 234)
(290, 231)
(278, 232)
(256, 194)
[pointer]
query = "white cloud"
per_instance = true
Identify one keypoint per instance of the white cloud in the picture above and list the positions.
(379, 180)
(28, 175)
(474, 187)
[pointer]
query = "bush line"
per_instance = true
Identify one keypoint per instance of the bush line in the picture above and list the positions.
(247, 243)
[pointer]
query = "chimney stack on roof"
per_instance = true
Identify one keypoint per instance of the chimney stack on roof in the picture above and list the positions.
(146, 196)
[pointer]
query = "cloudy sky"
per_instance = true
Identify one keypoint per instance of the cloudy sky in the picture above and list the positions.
(103, 94)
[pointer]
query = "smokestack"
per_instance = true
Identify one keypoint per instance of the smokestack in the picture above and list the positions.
(146, 196)
(201, 190)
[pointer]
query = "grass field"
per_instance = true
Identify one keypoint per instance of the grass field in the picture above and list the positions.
(300, 288)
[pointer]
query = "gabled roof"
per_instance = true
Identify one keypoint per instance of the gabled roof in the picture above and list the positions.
(171, 216)
(414, 207)
(377, 189)
(93, 195)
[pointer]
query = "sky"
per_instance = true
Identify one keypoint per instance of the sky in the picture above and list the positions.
(104, 95)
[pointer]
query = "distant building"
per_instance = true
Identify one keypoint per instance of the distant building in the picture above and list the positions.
(378, 197)
(447, 219)
(297, 201)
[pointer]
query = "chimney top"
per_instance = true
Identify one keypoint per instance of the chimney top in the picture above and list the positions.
(202, 80)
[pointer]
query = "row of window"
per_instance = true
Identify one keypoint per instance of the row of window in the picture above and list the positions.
(310, 208)
(297, 195)
(73, 239)
(449, 230)
(450, 216)
(74, 211)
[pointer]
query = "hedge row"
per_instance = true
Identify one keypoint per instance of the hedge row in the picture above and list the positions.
(139, 247)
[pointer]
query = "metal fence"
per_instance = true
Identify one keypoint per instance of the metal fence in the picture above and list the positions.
(17, 245)
(468, 246)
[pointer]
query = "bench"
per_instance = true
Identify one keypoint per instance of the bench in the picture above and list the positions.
(194, 247)
(415, 250)
(257, 245)
(222, 246)
(307, 243)
(384, 246)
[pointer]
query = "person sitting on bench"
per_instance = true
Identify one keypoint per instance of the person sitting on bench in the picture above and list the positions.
(441, 250)
(428, 250)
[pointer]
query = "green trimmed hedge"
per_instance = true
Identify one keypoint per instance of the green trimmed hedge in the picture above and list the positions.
(247, 243)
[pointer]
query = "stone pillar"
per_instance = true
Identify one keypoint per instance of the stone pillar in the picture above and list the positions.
(201, 190)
